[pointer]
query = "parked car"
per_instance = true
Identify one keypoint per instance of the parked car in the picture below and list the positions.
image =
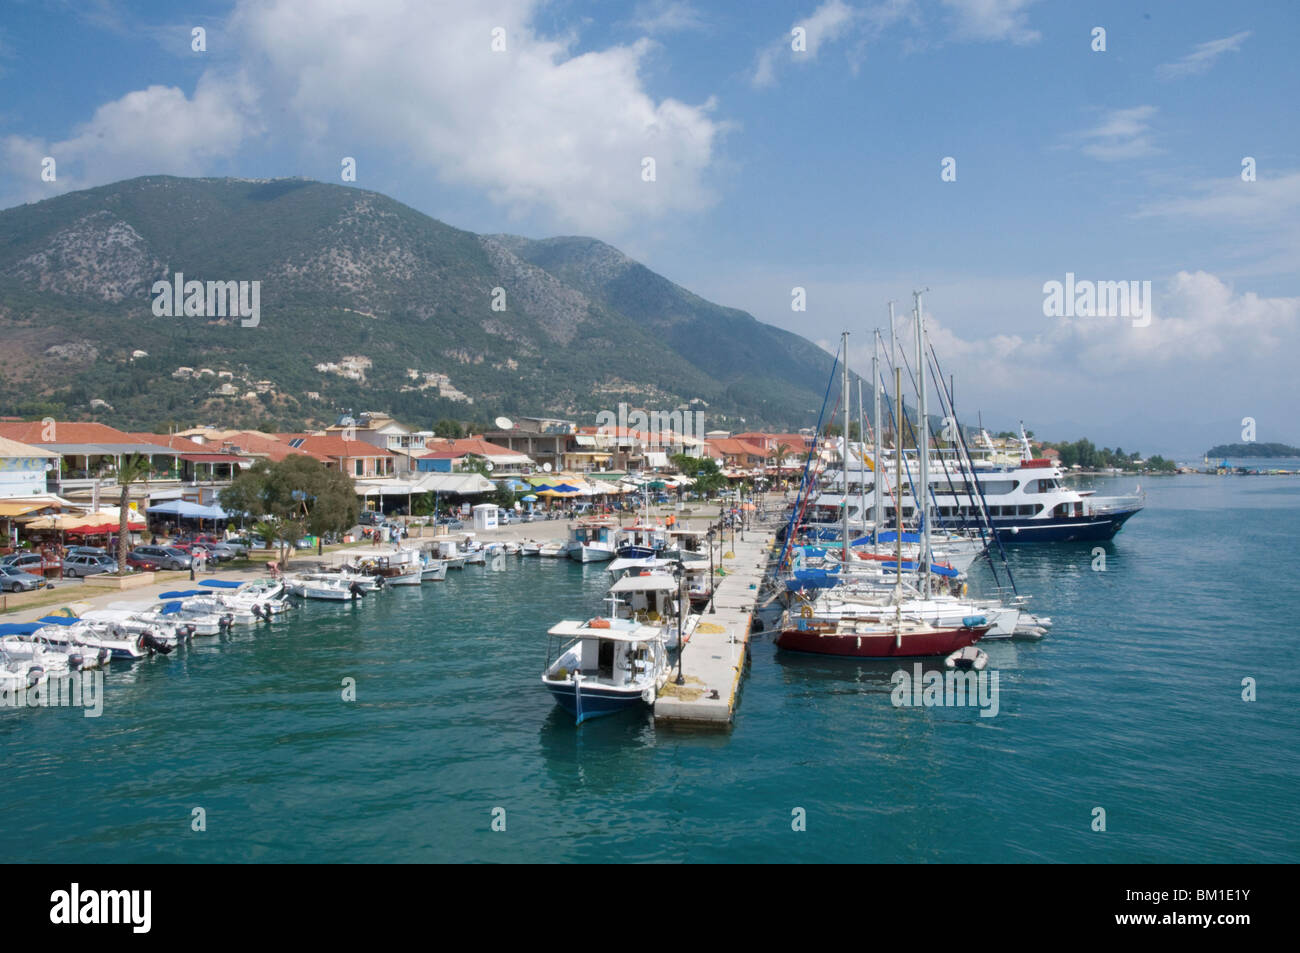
(214, 552)
(505, 517)
(142, 563)
(86, 551)
(167, 557)
(24, 561)
(239, 545)
(87, 565)
(450, 522)
(370, 518)
(15, 580)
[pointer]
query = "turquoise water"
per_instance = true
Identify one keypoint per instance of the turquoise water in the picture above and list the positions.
(1133, 704)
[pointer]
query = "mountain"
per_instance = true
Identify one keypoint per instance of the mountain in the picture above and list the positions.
(365, 304)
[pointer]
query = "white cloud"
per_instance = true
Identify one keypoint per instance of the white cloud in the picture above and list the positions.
(1202, 57)
(1270, 200)
(992, 20)
(826, 25)
(1122, 134)
(535, 127)
(666, 16)
(538, 128)
(156, 130)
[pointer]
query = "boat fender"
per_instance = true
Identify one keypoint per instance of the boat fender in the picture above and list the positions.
(963, 589)
(971, 621)
(598, 624)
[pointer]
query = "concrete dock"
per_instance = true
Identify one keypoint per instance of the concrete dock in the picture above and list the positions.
(713, 661)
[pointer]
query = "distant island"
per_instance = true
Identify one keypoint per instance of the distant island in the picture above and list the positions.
(1253, 450)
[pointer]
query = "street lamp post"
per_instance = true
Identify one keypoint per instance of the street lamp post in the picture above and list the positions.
(679, 573)
(712, 578)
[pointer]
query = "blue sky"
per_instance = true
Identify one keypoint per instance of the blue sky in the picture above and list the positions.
(775, 168)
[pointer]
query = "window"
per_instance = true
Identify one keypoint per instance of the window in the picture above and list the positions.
(359, 468)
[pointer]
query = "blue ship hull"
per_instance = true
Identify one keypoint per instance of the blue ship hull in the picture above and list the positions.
(595, 702)
(1055, 529)
(636, 552)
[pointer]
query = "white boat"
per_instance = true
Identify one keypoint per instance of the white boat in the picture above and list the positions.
(652, 598)
(553, 550)
(170, 632)
(530, 547)
(603, 666)
(593, 541)
(52, 660)
(88, 637)
(433, 570)
(173, 610)
(330, 588)
(20, 674)
(968, 659)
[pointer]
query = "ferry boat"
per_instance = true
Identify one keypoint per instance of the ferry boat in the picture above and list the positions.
(1026, 500)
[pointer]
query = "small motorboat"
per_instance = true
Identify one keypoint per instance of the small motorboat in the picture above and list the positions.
(968, 659)
(604, 666)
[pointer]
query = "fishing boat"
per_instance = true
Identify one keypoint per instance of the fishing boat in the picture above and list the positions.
(593, 541)
(556, 549)
(640, 540)
(604, 666)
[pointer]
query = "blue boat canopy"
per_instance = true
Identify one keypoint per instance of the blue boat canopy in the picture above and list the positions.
(891, 536)
(221, 583)
(909, 566)
(59, 620)
(171, 608)
(183, 593)
(19, 628)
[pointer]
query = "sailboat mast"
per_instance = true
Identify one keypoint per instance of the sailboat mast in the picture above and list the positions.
(877, 473)
(923, 448)
(844, 528)
(862, 460)
(898, 506)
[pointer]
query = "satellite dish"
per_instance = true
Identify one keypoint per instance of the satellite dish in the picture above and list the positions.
(505, 423)
(546, 467)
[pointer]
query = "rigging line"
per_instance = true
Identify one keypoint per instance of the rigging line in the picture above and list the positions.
(789, 528)
(1006, 564)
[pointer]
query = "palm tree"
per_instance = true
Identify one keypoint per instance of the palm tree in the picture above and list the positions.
(130, 470)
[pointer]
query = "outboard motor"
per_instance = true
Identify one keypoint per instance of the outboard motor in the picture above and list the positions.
(257, 611)
(154, 644)
(226, 621)
(75, 661)
(34, 674)
(356, 590)
(105, 653)
(187, 631)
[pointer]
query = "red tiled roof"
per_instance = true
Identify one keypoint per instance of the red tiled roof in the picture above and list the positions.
(334, 446)
(459, 448)
(36, 432)
(732, 446)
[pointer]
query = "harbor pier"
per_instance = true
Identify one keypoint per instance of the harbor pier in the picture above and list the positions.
(714, 657)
